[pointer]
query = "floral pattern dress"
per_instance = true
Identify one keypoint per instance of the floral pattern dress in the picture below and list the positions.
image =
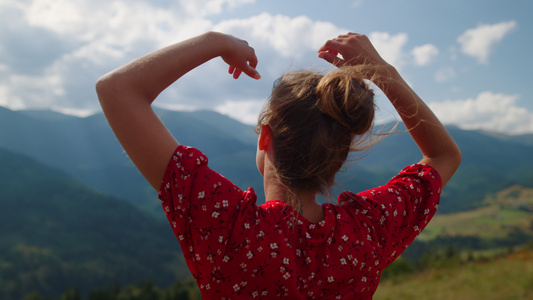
(236, 249)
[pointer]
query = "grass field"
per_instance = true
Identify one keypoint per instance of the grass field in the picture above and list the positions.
(503, 278)
(507, 211)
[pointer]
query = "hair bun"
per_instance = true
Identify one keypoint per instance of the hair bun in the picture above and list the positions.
(345, 97)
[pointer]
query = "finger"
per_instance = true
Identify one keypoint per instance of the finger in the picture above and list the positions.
(330, 46)
(331, 58)
(231, 69)
(253, 62)
(237, 73)
(252, 73)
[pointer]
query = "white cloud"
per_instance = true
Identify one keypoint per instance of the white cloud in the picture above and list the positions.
(211, 7)
(425, 54)
(488, 111)
(390, 47)
(244, 111)
(478, 42)
(357, 3)
(289, 36)
(69, 44)
(70, 48)
(445, 74)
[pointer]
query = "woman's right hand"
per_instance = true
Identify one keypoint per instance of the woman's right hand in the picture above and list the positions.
(239, 56)
(355, 49)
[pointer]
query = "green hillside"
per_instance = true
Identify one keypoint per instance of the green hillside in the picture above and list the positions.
(505, 278)
(505, 219)
(57, 233)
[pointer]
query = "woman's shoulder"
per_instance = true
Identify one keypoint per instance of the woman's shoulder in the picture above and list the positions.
(414, 177)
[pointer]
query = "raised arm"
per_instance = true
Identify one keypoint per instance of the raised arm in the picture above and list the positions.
(438, 148)
(126, 95)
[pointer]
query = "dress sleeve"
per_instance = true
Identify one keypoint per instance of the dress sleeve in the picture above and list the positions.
(399, 210)
(199, 204)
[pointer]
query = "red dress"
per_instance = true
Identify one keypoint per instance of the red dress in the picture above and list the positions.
(236, 249)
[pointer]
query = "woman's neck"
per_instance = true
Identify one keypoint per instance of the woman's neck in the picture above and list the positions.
(310, 209)
(274, 190)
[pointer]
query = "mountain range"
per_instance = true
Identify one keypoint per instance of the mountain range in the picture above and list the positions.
(86, 149)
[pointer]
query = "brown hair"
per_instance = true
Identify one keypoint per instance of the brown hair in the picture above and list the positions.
(315, 121)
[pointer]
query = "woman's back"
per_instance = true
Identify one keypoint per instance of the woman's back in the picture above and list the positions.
(241, 250)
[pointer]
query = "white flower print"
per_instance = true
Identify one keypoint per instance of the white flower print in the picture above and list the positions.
(201, 195)
(215, 214)
(250, 255)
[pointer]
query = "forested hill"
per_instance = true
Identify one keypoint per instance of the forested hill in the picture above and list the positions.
(57, 233)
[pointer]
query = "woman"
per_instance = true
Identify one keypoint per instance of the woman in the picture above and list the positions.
(291, 246)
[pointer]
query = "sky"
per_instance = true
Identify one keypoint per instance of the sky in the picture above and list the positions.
(469, 60)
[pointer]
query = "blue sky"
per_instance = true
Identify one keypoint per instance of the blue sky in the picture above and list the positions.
(469, 60)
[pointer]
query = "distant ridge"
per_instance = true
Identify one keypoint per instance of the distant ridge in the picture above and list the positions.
(86, 149)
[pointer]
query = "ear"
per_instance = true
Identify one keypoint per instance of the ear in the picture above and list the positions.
(264, 138)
